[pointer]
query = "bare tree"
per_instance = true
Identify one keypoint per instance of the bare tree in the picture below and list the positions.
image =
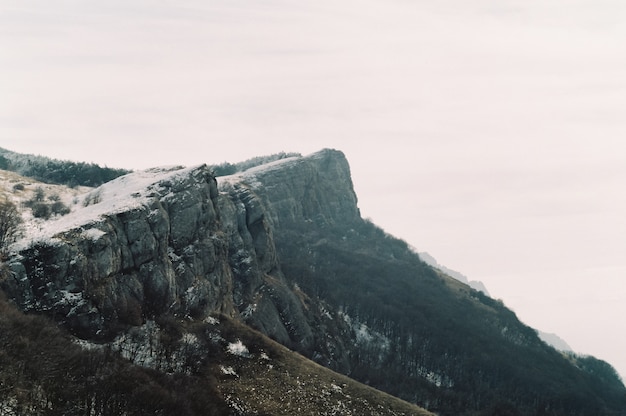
(10, 219)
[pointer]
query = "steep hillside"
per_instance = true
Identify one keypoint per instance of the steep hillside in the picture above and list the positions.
(171, 367)
(283, 249)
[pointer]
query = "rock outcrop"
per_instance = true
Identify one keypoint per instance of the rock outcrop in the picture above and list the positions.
(167, 241)
(315, 189)
(142, 245)
(270, 199)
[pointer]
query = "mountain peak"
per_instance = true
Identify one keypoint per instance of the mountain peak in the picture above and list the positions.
(317, 187)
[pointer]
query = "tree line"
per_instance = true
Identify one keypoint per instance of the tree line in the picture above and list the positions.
(61, 172)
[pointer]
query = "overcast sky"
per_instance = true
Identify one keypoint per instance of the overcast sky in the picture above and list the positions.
(491, 134)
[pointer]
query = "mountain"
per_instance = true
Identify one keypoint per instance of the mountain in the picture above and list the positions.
(550, 339)
(179, 272)
(554, 340)
(475, 284)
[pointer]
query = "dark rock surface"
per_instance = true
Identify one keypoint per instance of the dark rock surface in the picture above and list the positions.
(165, 254)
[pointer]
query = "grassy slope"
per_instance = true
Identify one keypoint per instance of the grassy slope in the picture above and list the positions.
(282, 382)
(42, 371)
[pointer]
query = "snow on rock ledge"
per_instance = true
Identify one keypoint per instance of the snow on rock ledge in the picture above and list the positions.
(127, 192)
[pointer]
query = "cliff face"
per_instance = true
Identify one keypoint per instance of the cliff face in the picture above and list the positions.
(140, 246)
(167, 241)
(315, 189)
(261, 204)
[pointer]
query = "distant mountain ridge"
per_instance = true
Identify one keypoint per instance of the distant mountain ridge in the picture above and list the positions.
(475, 284)
(282, 248)
(556, 341)
(550, 339)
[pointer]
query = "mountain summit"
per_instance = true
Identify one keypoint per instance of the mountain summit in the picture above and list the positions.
(281, 249)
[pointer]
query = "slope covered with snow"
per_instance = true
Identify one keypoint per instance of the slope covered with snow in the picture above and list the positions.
(88, 205)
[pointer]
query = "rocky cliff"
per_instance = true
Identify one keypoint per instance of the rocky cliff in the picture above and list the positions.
(168, 241)
(266, 201)
(138, 246)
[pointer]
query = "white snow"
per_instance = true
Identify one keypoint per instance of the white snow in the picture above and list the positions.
(211, 320)
(93, 234)
(69, 298)
(249, 310)
(122, 194)
(336, 388)
(190, 339)
(249, 176)
(229, 371)
(237, 348)
(365, 335)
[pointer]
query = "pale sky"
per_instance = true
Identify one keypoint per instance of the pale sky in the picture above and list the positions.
(489, 133)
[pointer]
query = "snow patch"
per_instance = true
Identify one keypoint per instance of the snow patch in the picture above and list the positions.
(325, 312)
(434, 378)
(229, 371)
(250, 176)
(69, 298)
(93, 234)
(336, 388)
(250, 309)
(238, 349)
(172, 255)
(190, 339)
(211, 320)
(128, 192)
(365, 335)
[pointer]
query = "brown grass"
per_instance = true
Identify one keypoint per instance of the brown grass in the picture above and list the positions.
(277, 381)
